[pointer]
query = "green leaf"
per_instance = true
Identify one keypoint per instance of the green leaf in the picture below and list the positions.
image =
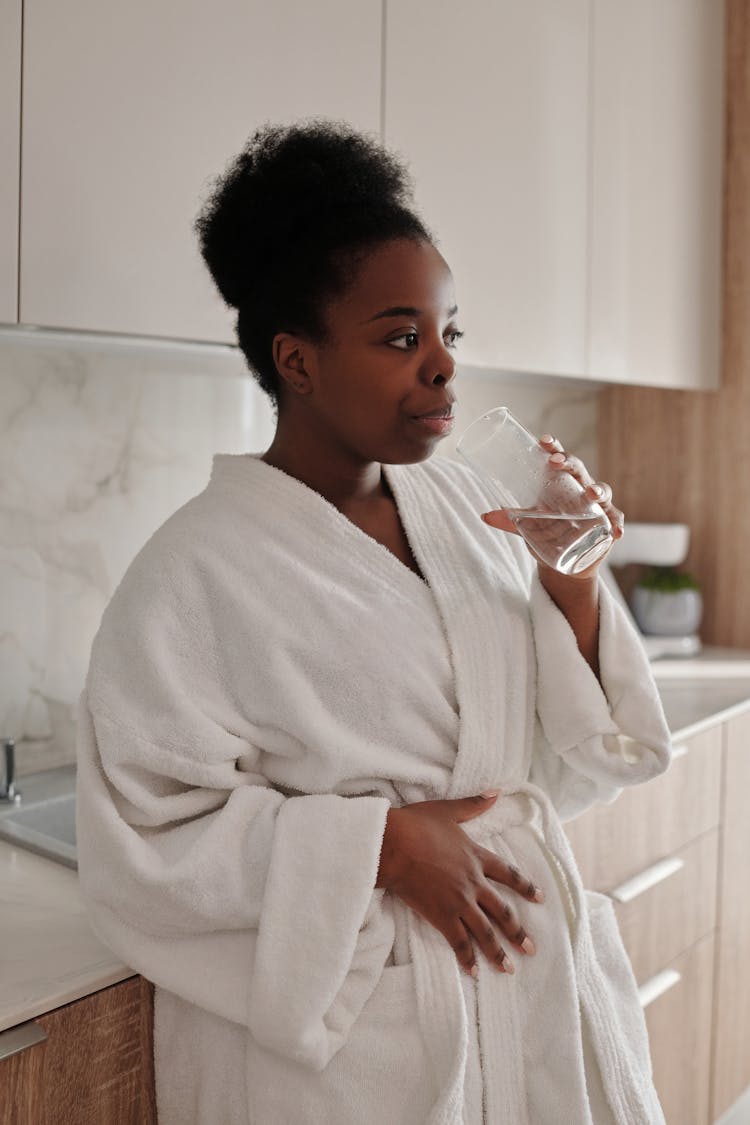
(668, 580)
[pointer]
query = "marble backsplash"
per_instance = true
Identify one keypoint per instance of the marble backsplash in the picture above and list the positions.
(100, 443)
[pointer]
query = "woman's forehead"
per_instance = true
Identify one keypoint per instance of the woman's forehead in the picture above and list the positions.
(406, 278)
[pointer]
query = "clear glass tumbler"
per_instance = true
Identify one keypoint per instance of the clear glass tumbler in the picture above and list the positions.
(549, 507)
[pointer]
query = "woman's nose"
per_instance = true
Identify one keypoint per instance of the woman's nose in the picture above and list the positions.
(440, 366)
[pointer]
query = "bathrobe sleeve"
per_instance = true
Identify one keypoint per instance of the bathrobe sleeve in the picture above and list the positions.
(256, 906)
(592, 738)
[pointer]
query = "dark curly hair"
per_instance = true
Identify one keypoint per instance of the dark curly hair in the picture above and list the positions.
(288, 222)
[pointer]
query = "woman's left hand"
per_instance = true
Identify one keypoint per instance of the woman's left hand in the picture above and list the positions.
(565, 462)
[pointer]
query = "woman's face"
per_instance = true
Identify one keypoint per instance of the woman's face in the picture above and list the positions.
(389, 358)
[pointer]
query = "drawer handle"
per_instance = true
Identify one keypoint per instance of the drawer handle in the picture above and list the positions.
(657, 986)
(20, 1038)
(679, 751)
(647, 879)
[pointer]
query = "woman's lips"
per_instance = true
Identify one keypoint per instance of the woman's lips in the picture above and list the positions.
(439, 424)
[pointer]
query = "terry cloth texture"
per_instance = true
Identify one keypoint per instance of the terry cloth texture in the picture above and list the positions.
(266, 683)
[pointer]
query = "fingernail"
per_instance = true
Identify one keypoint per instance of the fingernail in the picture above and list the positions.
(538, 894)
(528, 946)
(474, 971)
(558, 458)
(546, 438)
(489, 793)
(508, 966)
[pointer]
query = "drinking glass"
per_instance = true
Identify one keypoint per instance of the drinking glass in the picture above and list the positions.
(549, 507)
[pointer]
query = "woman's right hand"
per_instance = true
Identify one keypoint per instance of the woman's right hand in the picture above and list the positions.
(437, 869)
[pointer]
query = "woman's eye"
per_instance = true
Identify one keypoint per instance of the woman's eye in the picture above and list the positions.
(408, 340)
(452, 338)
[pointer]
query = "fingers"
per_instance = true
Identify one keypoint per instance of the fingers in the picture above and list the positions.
(458, 937)
(599, 491)
(485, 933)
(501, 872)
(501, 520)
(506, 918)
(466, 808)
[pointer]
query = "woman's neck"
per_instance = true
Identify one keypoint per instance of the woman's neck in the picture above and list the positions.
(340, 480)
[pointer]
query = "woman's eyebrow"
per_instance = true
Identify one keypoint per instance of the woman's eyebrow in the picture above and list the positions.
(404, 310)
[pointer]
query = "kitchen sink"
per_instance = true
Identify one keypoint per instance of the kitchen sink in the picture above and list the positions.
(45, 820)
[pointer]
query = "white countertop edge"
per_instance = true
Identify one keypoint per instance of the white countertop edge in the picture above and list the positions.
(90, 980)
(711, 720)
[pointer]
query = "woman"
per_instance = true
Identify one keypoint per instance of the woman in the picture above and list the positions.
(309, 688)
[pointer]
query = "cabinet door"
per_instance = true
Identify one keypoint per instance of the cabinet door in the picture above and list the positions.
(488, 103)
(130, 109)
(656, 199)
(650, 822)
(10, 140)
(96, 1064)
(731, 1059)
(679, 1029)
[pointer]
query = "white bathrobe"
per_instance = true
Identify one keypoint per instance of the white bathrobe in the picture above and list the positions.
(267, 681)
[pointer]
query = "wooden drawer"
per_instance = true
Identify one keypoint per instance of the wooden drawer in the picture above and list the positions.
(732, 1001)
(94, 1068)
(679, 1028)
(650, 821)
(671, 915)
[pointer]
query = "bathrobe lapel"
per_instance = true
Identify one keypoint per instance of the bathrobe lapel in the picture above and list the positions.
(486, 622)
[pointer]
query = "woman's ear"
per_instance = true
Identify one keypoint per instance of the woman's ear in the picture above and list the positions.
(293, 356)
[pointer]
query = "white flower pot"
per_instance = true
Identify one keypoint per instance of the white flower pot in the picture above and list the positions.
(667, 614)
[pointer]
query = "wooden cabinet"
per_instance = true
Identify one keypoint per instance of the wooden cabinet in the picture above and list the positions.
(673, 855)
(649, 822)
(656, 192)
(489, 105)
(130, 110)
(679, 1030)
(731, 1054)
(95, 1066)
(10, 140)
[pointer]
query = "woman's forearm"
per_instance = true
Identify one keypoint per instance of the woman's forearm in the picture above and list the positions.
(578, 600)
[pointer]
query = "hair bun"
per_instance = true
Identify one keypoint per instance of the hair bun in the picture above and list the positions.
(287, 182)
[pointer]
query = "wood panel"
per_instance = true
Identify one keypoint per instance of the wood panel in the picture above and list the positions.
(731, 1057)
(95, 1068)
(679, 1028)
(650, 821)
(682, 455)
(666, 920)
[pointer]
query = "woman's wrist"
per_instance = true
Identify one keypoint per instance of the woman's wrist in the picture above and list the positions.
(575, 590)
(577, 598)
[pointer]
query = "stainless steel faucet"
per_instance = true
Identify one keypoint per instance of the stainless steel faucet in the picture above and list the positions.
(9, 795)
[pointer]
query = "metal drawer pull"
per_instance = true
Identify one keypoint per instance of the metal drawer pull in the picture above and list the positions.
(647, 879)
(679, 751)
(19, 1038)
(657, 986)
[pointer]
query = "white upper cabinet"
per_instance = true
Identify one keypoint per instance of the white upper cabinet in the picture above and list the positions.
(489, 105)
(657, 98)
(10, 124)
(129, 109)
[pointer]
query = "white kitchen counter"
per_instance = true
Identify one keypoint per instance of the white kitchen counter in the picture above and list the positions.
(48, 953)
(51, 957)
(693, 705)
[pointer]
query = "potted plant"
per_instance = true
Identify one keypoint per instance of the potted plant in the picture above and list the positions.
(667, 602)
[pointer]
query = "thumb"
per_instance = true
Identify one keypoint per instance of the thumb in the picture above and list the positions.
(466, 808)
(500, 519)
